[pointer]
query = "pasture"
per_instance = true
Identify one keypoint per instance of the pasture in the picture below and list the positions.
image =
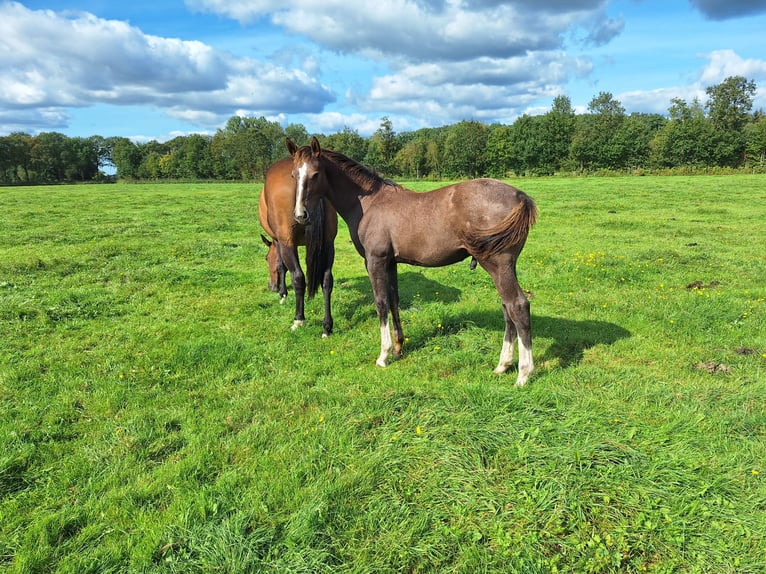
(157, 414)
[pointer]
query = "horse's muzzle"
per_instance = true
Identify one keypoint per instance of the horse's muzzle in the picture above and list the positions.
(303, 219)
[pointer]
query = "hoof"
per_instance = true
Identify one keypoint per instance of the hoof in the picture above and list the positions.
(500, 369)
(380, 363)
(282, 300)
(297, 324)
(325, 335)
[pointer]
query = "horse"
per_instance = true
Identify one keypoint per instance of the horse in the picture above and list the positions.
(482, 218)
(316, 231)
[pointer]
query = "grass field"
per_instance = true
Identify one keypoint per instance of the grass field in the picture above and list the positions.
(157, 414)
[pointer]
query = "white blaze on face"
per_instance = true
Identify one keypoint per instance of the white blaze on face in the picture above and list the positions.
(300, 192)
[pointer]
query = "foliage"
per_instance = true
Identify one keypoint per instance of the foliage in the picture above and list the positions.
(157, 414)
(719, 133)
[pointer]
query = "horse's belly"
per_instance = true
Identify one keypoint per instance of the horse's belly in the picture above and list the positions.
(431, 259)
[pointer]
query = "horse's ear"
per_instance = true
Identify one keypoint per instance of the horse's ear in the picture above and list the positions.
(315, 146)
(291, 147)
(266, 242)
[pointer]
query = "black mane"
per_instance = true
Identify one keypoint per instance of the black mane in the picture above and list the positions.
(363, 176)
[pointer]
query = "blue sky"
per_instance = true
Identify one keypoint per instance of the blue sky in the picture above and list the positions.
(157, 69)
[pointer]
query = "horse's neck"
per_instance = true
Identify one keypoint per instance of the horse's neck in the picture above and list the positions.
(347, 197)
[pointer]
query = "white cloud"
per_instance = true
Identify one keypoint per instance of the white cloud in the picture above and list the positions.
(721, 64)
(725, 63)
(488, 89)
(417, 30)
(53, 61)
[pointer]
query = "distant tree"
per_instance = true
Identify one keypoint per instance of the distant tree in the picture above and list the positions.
(246, 147)
(49, 157)
(558, 126)
(81, 159)
(465, 149)
(126, 157)
(435, 154)
(728, 107)
(730, 102)
(686, 139)
(17, 157)
(297, 133)
(190, 158)
(528, 155)
(633, 140)
(348, 142)
(382, 148)
(499, 150)
(593, 144)
(755, 137)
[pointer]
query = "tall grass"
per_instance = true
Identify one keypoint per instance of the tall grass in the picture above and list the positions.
(157, 414)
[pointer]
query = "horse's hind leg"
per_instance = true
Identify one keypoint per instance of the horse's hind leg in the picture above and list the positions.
(393, 302)
(376, 269)
(517, 318)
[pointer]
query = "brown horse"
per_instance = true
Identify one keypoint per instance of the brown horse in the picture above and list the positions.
(276, 214)
(483, 218)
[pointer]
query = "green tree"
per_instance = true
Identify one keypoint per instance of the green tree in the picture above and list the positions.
(348, 142)
(499, 153)
(465, 149)
(594, 143)
(729, 104)
(297, 133)
(246, 147)
(382, 148)
(81, 159)
(435, 156)
(527, 146)
(126, 157)
(686, 139)
(48, 157)
(755, 138)
(17, 157)
(558, 126)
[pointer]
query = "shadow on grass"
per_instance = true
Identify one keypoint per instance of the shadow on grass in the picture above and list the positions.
(413, 286)
(571, 338)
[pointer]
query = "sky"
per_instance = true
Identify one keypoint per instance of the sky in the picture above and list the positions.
(157, 69)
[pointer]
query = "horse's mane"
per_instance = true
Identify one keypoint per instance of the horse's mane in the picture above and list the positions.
(363, 176)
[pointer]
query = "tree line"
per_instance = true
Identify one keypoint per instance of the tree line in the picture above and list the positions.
(722, 132)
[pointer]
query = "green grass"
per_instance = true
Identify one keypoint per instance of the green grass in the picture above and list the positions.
(158, 415)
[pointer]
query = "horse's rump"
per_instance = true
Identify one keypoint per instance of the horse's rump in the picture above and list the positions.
(511, 231)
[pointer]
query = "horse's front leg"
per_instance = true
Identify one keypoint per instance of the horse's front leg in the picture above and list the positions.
(327, 285)
(281, 282)
(376, 269)
(292, 263)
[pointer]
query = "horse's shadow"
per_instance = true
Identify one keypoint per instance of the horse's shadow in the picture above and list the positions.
(570, 337)
(413, 288)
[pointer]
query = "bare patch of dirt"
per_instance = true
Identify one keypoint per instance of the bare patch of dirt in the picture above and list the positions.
(744, 351)
(712, 367)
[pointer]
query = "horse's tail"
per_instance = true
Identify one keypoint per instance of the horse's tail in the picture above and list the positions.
(511, 231)
(318, 251)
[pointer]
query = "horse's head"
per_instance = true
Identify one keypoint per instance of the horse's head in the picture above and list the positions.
(309, 178)
(272, 258)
